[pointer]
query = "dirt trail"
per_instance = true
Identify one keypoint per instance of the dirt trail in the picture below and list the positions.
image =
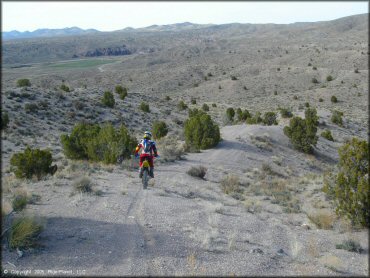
(181, 225)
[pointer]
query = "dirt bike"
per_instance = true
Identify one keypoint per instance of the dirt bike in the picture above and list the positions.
(146, 176)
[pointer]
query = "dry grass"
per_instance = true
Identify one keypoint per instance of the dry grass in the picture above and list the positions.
(253, 206)
(24, 232)
(313, 248)
(20, 199)
(83, 185)
(262, 142)
(331, 262)
(280, 189)
(9, 183)
(322, 219)
(231, 185)
(170, 148)
(192, 263)
(6, 208)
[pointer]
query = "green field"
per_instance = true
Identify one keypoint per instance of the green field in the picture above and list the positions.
(80, 64)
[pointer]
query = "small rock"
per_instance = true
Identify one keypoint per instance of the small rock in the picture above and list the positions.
(281, 252)
(306, 226)
(20, 253)
(256, 250)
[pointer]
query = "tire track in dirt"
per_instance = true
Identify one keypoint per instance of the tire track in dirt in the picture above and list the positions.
(136, 214)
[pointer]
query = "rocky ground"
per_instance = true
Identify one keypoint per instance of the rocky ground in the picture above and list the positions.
(259, 210)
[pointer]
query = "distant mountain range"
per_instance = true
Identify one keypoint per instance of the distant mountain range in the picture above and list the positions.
(78, 31)
(46, 33)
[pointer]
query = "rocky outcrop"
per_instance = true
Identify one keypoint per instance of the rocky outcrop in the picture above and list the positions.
(109, 51)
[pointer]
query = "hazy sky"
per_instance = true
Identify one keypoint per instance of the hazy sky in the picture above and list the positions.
(109, 16)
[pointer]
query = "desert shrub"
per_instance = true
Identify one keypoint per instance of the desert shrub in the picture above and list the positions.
(201, 132)
(109, 144)
(350, 245)
(230, 113)
(24, 232)
(321, 100)
(31, 162)
(198, 172)
(245, 115)
(329, 78)
(336, 117)
(23, 82)
(309, 64)
(256, 119)
(285, 113)
(181, 105)
(269, 118)
(83, 185)
(144, 107)
(350, 189)
(194, 112)
(193, 101)
(205, 107)
(302, 132)
(159, 129)
(121, 91)
(98, 143)
(314, 68)
(334, 99)
(31, 107)
(108, 99)
(314, 80)
(214, 105)
(75, 145)
(19, 202)
(167, 98)
(238, 111)
(4, 120)
(234, 77)
(327, 135)
(123, 95)
(295, 97)
(64, 88)
(306, 104)
(79, 105)
(356, 70)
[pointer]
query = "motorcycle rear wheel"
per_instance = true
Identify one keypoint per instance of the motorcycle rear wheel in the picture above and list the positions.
(145, 178)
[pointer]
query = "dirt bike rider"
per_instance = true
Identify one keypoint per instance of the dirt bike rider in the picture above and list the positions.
(148, 148)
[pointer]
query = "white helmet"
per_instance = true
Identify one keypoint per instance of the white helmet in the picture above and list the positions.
(147, 135)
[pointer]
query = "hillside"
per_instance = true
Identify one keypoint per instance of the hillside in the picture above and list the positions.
(260, 208)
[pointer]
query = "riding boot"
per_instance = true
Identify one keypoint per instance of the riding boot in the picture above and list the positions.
(151, 172)
(141, 172)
